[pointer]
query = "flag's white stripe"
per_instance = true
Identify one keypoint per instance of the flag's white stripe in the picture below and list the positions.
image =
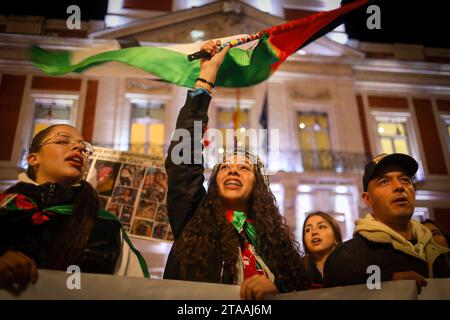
(120, 70)
(188, 48)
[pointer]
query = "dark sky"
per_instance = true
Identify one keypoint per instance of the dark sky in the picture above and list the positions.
(406, 21)
(417, 22)
(55, 9)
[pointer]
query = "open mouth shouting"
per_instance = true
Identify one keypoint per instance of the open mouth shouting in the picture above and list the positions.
(401, 200)
(75, 160)
(316, 241)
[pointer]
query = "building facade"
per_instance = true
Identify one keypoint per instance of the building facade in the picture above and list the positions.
(335, 106)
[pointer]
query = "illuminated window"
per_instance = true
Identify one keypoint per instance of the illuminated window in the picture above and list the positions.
(338, 201)
(48, 112)
(314, 131)
(393, 135)
(225, 120)
(446, 120)
(421, 214)
(198, 35)
(314, 139)
(50, 109)
(278, 192)
(147, 127)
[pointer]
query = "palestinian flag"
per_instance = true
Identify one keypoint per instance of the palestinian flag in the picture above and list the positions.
(244, 65)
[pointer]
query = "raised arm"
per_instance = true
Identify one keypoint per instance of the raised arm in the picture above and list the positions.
(185, 177)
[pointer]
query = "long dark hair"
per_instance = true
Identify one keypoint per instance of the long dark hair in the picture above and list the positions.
(209, 234)
(441, 228)
(331, 221)
(309, 260)
(71, 237)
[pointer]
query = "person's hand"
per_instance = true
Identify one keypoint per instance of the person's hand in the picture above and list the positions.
(257, 287)
(209, 67)
(16, 271)
(411, 275)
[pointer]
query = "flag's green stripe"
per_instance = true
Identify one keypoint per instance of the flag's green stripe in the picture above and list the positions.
(167, 64)
(240, 67)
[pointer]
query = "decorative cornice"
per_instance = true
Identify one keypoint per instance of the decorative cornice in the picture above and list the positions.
(158, 22)
(282, 75)
(424, 195)
(47, 42)
(390, 87)
(152, 23)
(410, 67)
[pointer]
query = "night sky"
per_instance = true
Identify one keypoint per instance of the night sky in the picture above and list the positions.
(415, 22)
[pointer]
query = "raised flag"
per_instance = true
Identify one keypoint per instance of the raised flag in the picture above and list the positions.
(251, 60)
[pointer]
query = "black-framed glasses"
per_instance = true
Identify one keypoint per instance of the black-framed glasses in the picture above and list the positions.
(68, 141)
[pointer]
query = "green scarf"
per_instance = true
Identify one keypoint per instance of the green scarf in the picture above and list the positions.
(239, 221)
(21, 203)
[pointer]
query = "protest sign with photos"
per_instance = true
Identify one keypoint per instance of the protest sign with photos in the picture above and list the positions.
(133, 187)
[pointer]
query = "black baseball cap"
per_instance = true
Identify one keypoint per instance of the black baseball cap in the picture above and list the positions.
(402, 160)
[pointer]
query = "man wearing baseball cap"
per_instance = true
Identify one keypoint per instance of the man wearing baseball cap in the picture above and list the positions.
(388, 238)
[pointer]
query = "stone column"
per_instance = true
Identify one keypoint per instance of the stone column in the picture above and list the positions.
(172, 109)
(108, 123)
(289, 199)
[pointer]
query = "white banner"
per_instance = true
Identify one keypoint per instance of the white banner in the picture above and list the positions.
(55, 285)
(61, 285)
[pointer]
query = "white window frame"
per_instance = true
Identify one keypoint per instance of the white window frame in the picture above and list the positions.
(312, 130)
(230, 105)
(421, 214)
(36, 96)
(147, 121)
(278, 191)
(308, 107)
(315, 189)
(445, 120)
(404, 117)
(122, 138)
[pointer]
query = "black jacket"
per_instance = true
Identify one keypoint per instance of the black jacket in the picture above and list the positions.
(312, 273)
(186, 191)
(19, 233)
(347, 264)
(185, 186)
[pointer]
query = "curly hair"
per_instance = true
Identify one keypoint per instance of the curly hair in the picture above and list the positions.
(209, 234)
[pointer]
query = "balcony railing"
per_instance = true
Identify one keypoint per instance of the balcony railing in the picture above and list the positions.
(333, 161)
(285, 160)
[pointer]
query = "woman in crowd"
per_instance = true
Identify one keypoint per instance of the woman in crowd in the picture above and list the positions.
(233, 233)
(51, 218)
(321, 235)
(440, 235)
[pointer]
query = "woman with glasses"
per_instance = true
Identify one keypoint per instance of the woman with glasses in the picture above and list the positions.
(232, 233)
(51, 218)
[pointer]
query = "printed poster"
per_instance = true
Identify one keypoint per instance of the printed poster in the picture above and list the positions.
(133, 187)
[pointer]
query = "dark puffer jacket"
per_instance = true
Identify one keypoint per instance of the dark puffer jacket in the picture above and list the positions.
(348, 263)
(19, 232)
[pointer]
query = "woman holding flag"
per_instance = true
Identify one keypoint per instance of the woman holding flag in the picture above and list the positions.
(51, 218)
(233, 233)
